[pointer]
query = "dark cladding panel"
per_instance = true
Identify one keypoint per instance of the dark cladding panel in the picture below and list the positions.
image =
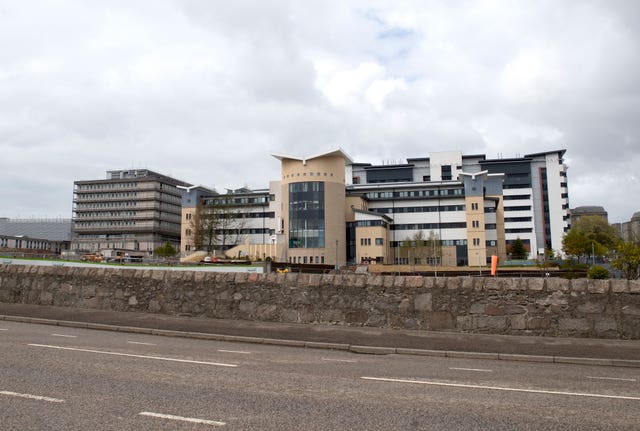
(390, 175)
(516, 173)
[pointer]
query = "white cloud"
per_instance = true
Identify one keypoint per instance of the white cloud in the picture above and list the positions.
(206, 91)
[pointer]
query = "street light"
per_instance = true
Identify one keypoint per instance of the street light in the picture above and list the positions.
(336, 255)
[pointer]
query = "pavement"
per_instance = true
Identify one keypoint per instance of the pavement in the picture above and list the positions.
(587, 351)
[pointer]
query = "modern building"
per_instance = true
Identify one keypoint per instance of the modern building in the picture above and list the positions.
(589, 210)
(630, 230)
(238, 222)
(446, 209)
(35, 236)
(534, 193)
(135, 210)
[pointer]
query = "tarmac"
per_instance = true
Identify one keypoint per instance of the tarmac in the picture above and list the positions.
(586, 351)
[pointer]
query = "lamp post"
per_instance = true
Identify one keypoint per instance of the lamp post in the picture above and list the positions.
(336, 255)
(479, 268)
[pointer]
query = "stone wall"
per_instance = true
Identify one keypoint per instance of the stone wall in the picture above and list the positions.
(535, 306)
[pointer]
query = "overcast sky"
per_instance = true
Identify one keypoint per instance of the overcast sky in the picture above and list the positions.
(206, 90)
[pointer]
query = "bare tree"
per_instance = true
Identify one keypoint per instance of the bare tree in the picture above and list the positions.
(217, 224)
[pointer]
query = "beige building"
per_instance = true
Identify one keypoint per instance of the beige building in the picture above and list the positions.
(313, 202)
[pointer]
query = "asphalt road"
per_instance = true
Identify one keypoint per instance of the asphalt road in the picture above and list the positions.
(55, 378)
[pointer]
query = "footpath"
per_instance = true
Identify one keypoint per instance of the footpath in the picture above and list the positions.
(586, 351)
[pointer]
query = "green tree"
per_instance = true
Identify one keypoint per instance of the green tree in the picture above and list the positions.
(166, 250)
(517, 250)
(628, 259)
(589, 236)
(597, 272)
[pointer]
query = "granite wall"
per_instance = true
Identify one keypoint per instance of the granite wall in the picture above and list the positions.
(535, 306)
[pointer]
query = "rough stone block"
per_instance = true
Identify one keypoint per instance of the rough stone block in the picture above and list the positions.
(591, 307)
(558, 284)
(414, 281)
(399, 281)
(356, 316)
(619, 286)
(315, 280)
(538, 323)
(535, 284)
(634, 286)
(441, 320)
(477, 308)
(631, 310)
(133, 301)
(605, 325)
(465, 323)
(375, 280)
(579, 285)
(404, 306)
(389, 281)
(516, 284)
(466, 283)
(598, 286)
(423, 302)
(46, 298)
(573, 325)
(518, 322)
(498, 323)
(494, 310)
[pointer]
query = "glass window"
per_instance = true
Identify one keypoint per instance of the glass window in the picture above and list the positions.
(306, 215)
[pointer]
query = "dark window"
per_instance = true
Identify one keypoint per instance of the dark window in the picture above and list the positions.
(306, 215)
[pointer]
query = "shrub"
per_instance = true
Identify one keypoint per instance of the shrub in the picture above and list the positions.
(597, 272)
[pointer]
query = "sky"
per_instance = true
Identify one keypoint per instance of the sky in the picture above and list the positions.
(206, 90)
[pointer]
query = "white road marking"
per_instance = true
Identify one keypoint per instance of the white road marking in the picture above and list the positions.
(140, 342)
(339, 360)
(471, 369)
(63, 335)
(234, 351)
(3, 329)
(612, 378)
(31, 397)
(183, 419)
(498, 388)
(159, 358)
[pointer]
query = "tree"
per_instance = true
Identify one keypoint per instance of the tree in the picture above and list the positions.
(517, 250)
(628, 259)
(217, 224)
(419, 249)
(166, 250)
(590, 236)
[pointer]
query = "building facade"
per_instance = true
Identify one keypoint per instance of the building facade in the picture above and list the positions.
(134, 210)
(534, 196)
(240, 222)
(447, 209)
(35, 236)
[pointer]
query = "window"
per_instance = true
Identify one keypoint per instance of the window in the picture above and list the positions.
(475, 223)
(426, 178)
(356, 180)
(474, 206)
(188, 232)
(379, 241)
(188, 216)
(306, 215)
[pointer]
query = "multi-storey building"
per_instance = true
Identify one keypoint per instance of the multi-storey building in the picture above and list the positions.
(446, 209)
(534, 195)
(245, 220)
(132, 210)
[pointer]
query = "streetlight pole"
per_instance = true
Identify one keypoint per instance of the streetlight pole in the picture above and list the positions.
(593, 253)
(336, 255)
